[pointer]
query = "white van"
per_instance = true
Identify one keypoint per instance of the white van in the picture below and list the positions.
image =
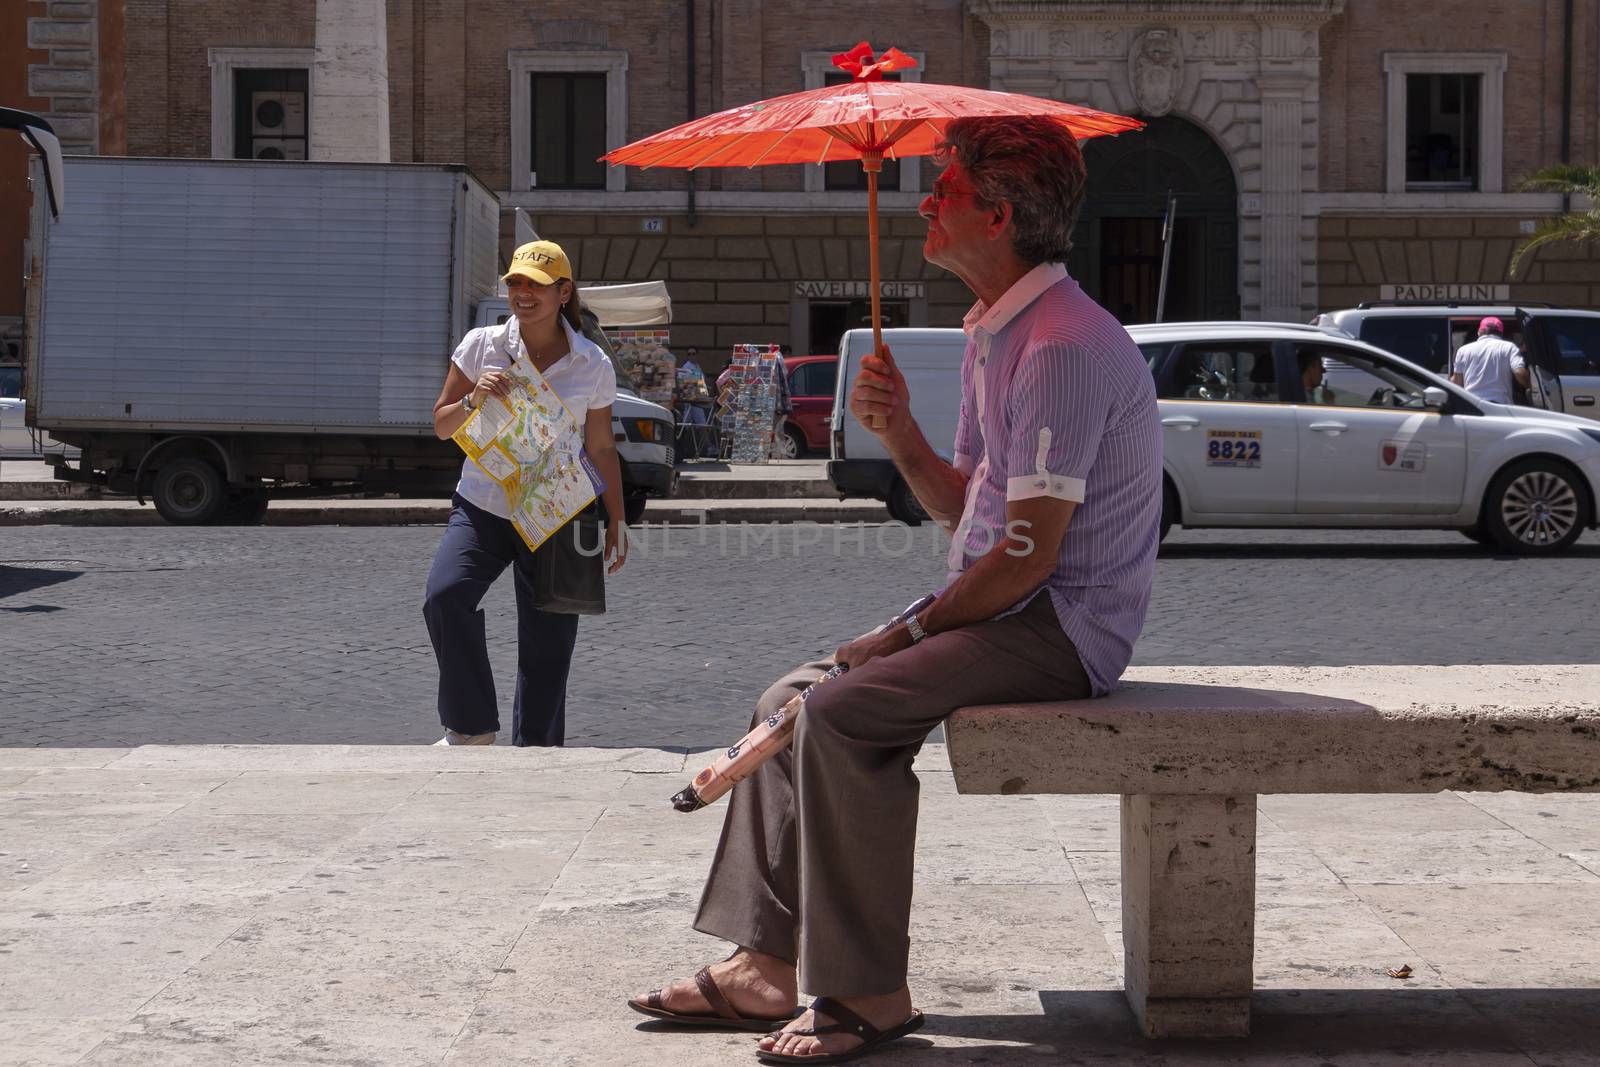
(930, 359)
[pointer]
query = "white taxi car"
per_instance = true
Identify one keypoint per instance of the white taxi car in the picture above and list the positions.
(1268, 424)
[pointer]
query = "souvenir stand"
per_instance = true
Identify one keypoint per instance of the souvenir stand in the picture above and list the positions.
(747, 404)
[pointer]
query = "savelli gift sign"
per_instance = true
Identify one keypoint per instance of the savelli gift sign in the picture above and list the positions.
(858, 290)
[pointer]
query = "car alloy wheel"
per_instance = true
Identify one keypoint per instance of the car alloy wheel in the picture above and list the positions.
(1536, 506)
(1540, 507)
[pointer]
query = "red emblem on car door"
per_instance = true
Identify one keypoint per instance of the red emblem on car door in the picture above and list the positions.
(1390, 454)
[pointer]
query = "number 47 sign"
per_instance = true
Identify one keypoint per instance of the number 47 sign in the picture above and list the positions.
(1233, 448)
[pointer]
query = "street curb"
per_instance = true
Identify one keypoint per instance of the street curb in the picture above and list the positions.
(49, 491)
(407, 513)
(689, 488)
(692, 488)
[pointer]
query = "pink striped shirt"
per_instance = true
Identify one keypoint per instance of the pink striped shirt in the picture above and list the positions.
(1056, 400)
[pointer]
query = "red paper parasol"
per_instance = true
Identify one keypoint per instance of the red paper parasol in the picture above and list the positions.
(869, 119)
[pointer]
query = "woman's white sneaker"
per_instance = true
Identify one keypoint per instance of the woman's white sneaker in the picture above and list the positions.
(452, 738)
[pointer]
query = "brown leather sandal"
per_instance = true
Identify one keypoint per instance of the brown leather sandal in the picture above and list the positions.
(846, 1022)
(722, 1016)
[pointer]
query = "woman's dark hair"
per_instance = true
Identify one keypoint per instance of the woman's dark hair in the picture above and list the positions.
(572, 310)
(1031, 163)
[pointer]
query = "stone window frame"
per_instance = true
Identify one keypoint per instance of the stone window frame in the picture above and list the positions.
(1491, 66)
(523, 63)
(814, 66)
(224, 61)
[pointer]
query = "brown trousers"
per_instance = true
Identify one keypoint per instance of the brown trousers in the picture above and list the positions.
(815, 861)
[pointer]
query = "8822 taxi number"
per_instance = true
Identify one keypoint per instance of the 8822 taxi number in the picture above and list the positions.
(1233, 448)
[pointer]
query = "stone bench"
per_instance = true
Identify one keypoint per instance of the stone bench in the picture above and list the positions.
(1189, 749)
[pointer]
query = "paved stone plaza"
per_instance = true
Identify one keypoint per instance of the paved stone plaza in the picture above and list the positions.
(314, 635)
(194, 907)
(330, 900)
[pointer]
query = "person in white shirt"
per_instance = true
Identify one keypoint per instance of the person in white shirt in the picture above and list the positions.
(1487, 366)
(480, 542)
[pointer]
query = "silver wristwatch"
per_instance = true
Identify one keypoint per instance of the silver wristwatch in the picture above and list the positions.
(914, 627)
(466, 403)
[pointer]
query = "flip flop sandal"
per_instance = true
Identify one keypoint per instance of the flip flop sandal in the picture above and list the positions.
(872, 1039)
(722, 1016)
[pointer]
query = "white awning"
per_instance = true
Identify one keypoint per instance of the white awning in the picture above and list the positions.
(637, 304)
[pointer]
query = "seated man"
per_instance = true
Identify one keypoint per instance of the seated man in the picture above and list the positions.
(1055, 502)
(1311, 379)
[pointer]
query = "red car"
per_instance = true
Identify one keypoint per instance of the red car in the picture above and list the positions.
(811, 382)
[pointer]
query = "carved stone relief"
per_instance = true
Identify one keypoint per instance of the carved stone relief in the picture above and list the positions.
(1155, 70)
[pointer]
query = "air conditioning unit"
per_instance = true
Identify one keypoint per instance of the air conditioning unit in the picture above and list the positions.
(277, 114)
(277, 148)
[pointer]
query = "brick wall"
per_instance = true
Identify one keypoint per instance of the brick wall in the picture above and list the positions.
(15, 58)
(450, 88)
(1530, 31)
(169, 73)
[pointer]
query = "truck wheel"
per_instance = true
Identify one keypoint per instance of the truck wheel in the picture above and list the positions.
(633, 509)
(244, 507)
(904, 505)
(1536, 507)
(189, 492)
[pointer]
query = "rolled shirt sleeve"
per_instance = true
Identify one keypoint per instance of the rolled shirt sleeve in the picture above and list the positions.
(468, 356)
(1060, 407)
(605, 387)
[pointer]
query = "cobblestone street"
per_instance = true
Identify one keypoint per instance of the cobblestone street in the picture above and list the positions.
(314, 635)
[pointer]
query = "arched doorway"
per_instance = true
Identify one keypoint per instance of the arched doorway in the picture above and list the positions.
(1116, 252)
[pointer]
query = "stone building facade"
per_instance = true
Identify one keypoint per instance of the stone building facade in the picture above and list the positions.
(757, 255)
(1307, 101)
(1316, 152)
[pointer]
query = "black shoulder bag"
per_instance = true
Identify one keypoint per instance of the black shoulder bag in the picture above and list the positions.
(569, 568)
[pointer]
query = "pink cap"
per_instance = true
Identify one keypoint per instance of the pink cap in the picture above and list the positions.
(1491, 325)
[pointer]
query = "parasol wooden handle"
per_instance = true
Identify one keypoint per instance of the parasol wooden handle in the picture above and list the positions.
(872, 163)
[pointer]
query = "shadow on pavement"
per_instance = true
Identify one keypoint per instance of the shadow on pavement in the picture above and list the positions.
(1365, 1026)
(16, 580)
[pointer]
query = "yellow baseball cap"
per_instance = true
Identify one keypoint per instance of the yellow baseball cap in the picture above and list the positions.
(540, 261)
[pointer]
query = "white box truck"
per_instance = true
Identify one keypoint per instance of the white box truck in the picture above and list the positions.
(213, 332)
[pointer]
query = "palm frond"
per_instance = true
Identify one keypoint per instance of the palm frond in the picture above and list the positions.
(1585, 227)
(1565, 178)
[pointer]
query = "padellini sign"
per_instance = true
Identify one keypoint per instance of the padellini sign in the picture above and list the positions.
(1446, 293)
(858, 290)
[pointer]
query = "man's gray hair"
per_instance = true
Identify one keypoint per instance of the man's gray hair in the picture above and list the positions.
(1031, 163)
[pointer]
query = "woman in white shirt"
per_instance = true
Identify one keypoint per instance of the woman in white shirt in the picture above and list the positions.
(480, 542)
